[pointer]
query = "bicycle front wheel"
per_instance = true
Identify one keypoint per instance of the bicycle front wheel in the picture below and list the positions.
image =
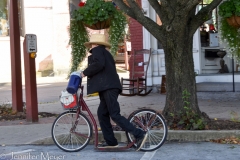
(71, 133)
(152, 122)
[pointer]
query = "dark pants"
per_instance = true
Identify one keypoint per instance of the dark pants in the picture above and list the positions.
(109, 107)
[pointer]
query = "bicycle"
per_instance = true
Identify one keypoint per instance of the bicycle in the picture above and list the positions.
(72, 130)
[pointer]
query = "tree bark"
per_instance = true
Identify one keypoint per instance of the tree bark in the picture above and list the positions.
(179, 23)
(180, 74)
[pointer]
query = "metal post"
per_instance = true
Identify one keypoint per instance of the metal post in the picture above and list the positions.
(17, 102)
(30, 85)
(233, 74)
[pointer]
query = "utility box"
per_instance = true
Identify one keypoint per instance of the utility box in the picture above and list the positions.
(31, 43)
(213, 39)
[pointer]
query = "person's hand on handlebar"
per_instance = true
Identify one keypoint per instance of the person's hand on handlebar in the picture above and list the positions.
(82, 75)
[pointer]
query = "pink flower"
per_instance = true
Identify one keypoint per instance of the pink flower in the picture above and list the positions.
(81, 4)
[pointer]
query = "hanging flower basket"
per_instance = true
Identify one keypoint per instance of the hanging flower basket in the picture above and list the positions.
(234, 21)
(229, 27)
(99, 25)
(96, 15)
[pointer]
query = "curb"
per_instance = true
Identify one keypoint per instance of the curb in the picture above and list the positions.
(200, 135)
(173, 135)
(40, 80)
(5, 84)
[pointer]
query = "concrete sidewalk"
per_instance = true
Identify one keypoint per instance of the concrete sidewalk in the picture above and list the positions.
(219, 105)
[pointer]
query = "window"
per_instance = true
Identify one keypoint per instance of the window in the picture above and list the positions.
(214, 16)
(4, 19)
(209, 29)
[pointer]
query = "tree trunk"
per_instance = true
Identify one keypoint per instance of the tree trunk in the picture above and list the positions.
(179, 22)
(180, 73)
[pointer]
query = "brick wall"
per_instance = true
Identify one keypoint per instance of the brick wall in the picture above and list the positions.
(136, 42)
(136, 34)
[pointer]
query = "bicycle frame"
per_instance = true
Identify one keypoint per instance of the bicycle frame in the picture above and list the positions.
(83, 107)
(72, 130)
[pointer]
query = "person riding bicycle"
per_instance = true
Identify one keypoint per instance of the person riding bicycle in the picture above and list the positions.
(102, 77)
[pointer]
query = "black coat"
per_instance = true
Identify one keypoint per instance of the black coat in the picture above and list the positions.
(101, 71)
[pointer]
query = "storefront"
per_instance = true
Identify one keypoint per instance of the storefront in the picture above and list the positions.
(49, 20)
(205, 47)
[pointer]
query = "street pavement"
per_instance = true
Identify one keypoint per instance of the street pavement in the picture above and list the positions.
(220, 105)
(169, 151)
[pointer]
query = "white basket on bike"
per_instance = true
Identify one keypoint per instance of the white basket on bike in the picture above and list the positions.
(68, 100)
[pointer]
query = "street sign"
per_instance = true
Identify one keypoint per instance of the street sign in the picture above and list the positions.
(31, 43)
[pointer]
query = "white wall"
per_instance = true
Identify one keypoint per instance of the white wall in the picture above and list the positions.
(49, 20)
(5, 60)
(39, 21)
(61, 51)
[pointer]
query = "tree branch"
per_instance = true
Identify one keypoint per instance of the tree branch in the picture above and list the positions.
(165, 11)
(135, 8)
(134, 11)
(158, 8)
(191, 4)
(125, 8)
(168, 9)
(196, 2)
(183, 2)
(203, 15)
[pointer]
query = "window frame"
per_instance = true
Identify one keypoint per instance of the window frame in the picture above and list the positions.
(20, 16)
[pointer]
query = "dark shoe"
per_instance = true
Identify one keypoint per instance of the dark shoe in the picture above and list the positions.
(105, 145)
(140, 141)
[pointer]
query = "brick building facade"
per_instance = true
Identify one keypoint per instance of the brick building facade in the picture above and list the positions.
(136, 42)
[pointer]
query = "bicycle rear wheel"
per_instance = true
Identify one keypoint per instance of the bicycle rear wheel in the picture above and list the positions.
(152, 122)
(71, 133)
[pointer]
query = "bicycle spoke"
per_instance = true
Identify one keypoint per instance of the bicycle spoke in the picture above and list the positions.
(153, 138)
(154, 124)
(65, 131)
